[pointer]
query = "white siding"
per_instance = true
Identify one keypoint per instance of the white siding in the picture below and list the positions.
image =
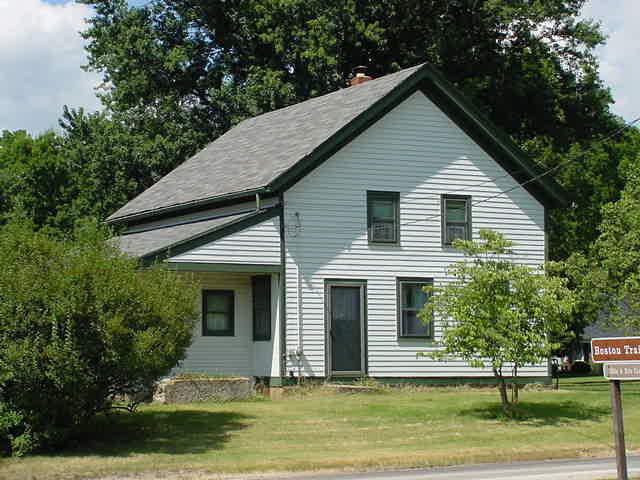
(419, 152)
(239, 354)
(256, 245)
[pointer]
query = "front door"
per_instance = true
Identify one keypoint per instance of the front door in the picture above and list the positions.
(345, 328)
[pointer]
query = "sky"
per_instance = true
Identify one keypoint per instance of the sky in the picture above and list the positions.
(41, 53)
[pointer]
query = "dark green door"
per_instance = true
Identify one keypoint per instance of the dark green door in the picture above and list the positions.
(346, 304)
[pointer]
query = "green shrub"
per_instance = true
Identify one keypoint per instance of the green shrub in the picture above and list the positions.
(580, 367)
(79, 324)
(596, 369)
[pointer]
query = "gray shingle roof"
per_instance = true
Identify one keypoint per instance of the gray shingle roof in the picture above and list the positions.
(256, 151)
(147, 242)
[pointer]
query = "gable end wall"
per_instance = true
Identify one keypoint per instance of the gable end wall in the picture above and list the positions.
(418, 151)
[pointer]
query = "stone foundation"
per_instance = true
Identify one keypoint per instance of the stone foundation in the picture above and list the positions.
(189, 390)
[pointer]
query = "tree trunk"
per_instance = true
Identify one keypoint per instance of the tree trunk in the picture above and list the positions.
(516, 387)
(502, 386)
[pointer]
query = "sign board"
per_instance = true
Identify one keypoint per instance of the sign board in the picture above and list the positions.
(622, 371)
(615, 350)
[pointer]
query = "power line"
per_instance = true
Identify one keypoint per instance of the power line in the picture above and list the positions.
(521, 185)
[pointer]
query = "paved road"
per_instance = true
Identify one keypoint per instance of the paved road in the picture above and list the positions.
(580, 469)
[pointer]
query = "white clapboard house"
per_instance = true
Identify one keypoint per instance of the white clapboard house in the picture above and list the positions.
(312, 229)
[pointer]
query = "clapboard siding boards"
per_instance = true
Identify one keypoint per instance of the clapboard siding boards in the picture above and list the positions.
(238, 354)
(256, 245)
(418, 151)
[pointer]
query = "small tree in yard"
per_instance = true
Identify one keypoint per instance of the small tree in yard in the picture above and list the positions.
(79, 323)
(497, 313)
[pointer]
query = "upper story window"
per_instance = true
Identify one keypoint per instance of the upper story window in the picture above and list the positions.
(383, 217)
(456, 218)
(218, 313)
(411, 299)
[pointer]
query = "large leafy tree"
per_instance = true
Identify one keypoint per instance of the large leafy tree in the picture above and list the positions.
(608, 275)
(113, 157)
(593, 172)
(498, 314)
(528, 63)
(34, 179)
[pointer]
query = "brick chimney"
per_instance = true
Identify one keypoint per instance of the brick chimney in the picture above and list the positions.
(360, 76)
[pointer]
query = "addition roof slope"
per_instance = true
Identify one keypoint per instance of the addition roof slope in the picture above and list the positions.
(267, 153)
(157, 243)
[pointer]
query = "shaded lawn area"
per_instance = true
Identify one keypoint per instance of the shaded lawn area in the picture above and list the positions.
(320, 429)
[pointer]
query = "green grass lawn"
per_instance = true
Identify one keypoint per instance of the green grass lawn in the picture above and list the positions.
(320, 429)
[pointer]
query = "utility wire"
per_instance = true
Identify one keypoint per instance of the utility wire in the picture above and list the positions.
(533, 179)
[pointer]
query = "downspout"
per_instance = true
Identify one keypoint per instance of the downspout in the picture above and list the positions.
(300, 349)
(283, 293)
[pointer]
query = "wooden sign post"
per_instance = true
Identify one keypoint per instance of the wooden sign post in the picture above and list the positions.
(621, 358)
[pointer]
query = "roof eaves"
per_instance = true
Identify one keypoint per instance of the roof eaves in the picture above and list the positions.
(216, 233)
(179, 207)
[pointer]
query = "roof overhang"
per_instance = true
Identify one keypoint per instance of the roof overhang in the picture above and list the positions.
(169, 241)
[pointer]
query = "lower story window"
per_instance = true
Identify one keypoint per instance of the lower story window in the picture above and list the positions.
(217, 313)
(411, 299)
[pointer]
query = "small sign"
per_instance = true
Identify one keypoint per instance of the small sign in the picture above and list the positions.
(618, 349)
(622, 371)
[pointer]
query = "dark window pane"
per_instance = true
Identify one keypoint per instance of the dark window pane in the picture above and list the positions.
(218, 321)
(383, 231)
(413, 327)
(383, 209)
(456, 232)
(218, 303)
(413, 296)
(456, 211)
